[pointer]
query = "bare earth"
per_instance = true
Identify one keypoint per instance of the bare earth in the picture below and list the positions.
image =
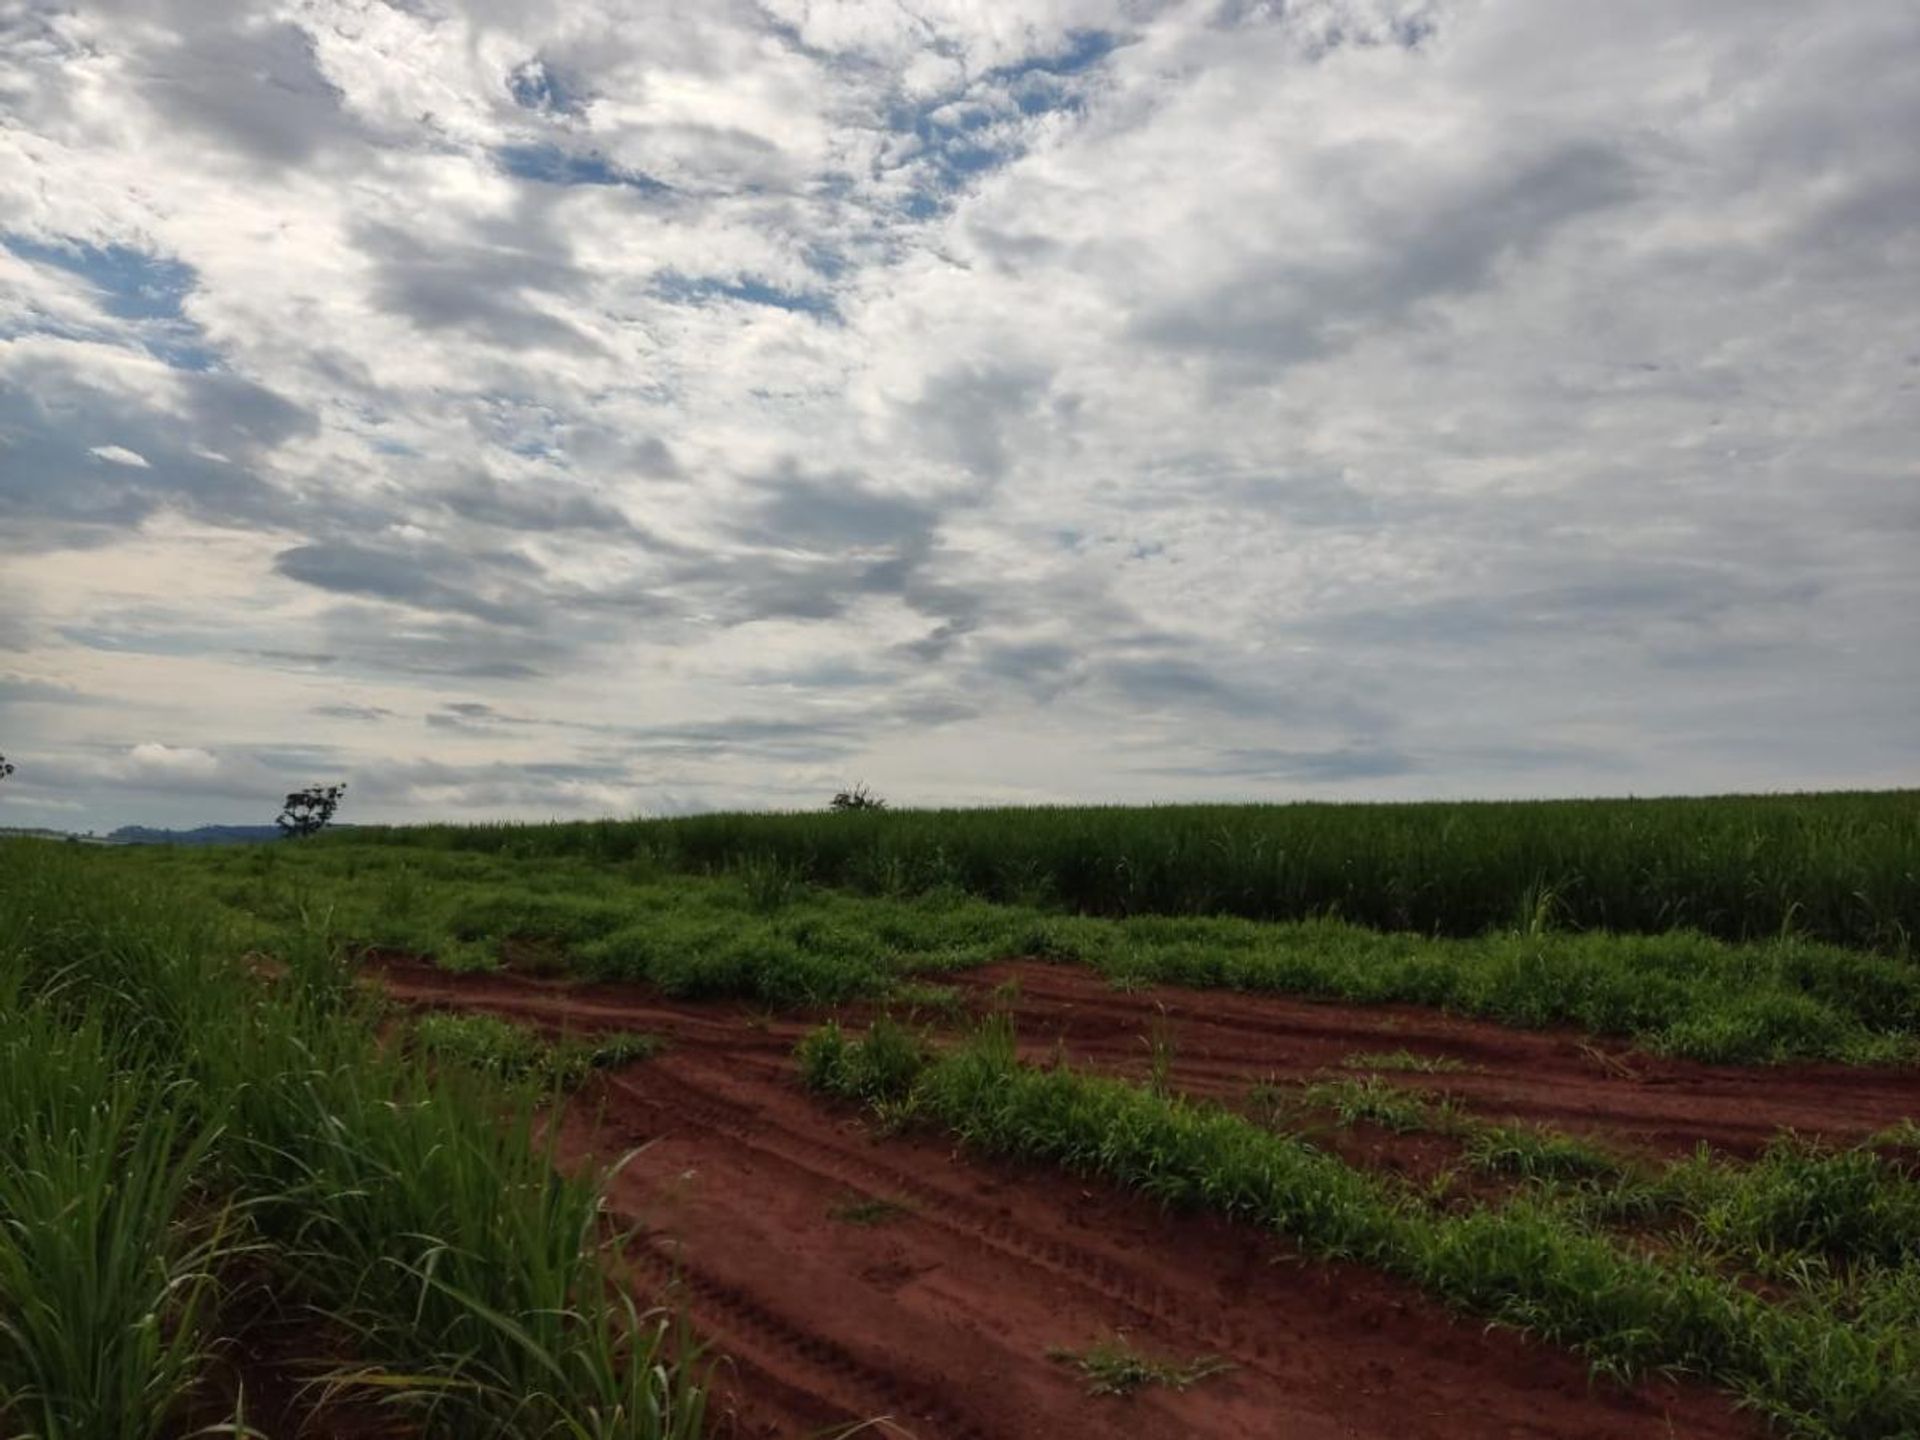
(940, 1315)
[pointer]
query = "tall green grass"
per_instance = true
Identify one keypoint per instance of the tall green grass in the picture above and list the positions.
(1844, 868)
(170, 1111)
(734, 935)
(1821, 1371)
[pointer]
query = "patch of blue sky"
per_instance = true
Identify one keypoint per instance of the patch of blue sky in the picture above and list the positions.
(747, 289)
(553, 165)
(536, 85)
(965, 135)
(143, 289)
(1085, 49)
(521, 425)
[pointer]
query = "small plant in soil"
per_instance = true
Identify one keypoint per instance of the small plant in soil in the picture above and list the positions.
(873, 1210)
(513, 1052)
(1374, 1100)
(1403, 1060)
(1115, 1367)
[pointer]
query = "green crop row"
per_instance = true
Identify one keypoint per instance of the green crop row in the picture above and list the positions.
(755, 934)
(1844, 868)
(1817, 1370)
(194, 1152)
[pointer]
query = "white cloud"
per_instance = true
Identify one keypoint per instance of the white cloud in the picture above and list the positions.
(120, 455)
(150, 759)
(1348, 397)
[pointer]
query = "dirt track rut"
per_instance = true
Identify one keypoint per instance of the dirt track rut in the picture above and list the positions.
(940, 1317)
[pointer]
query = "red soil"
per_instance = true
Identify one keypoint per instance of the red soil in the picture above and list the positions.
(941, 1316)
(1225, 1041)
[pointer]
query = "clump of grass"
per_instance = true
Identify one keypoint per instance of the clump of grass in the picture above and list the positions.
(1406, 1060)
(881, 1067)
(770, 882)
(1115, 1367)
(1377, 1102)
(868, 1211)
(917, 996)
(107, 1276)
(1271, 1101)
(1534, 1153)
(515, 1052)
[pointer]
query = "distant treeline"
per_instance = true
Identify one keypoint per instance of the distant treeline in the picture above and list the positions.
(1844, 868)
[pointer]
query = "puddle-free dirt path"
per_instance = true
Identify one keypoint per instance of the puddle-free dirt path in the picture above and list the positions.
(852, 1276)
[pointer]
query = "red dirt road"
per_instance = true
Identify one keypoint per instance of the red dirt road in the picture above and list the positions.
(940, 1316)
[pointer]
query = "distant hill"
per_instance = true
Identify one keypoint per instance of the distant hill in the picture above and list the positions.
(203, 835)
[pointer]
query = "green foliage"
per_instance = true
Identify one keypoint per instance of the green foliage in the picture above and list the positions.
(1378, 1102)
(514, 1052)
(106, 1273)
(169, 1108)
(309, 811)
(1843, 868)
(1403, 1060)
(1115, 1367)
(1533, 1153)
(787, 944)
(880, 1067)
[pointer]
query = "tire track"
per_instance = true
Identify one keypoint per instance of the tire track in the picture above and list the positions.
(943, 1318)
(963, 1219)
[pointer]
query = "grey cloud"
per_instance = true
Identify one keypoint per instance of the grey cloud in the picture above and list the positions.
(1600, 474)
(1170, 682)
(486, 286)
(1307, 766)
(833, 513)
(968, 414)
(208, 462)
(1625, 603)
(432, 578)
(1280, 311)
(17, 689)
(256, 88)
(534, 505)
(374, 640)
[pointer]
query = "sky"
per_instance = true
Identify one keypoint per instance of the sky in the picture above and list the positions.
(541, 408)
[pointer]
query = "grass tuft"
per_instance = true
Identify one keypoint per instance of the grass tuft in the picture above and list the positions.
(1115, 1367)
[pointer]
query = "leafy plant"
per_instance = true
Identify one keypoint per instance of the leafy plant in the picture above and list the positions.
(1404, 1060)
(1114, 1367)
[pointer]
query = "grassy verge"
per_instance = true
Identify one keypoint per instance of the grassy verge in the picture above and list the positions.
(761, 934)
(197, 1145)
(1817, 1370)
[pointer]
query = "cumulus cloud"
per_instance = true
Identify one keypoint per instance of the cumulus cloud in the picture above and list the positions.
(572, 407)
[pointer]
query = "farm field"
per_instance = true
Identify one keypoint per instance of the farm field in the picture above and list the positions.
(972, 1141)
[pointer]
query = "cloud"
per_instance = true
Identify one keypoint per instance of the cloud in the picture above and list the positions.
(659, 407)
(18, 689)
